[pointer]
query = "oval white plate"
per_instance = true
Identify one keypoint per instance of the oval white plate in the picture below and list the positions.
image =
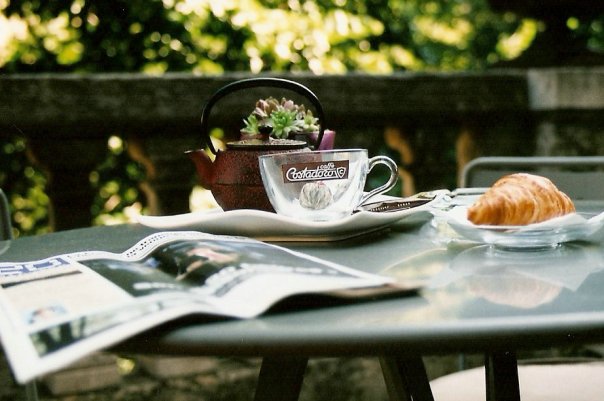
(273, 227)
(572, 227)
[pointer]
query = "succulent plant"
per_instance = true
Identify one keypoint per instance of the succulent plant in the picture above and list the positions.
(279, 119)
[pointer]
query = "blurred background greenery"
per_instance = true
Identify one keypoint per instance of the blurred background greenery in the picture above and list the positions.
(218, 36)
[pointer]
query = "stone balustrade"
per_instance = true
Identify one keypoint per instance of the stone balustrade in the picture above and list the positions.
(431, 123)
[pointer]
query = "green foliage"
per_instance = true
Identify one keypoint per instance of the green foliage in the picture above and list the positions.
(116, 181)
(212, 36)
(24, 186)
(591, 31)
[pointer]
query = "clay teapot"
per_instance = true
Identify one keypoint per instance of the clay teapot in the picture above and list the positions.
(234, 175)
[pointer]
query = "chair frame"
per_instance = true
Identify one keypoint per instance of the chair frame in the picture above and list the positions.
(565, 167)
(6, 233)
(6, 230)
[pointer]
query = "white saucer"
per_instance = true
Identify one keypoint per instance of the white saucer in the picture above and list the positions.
(550, 233)
(269, 226)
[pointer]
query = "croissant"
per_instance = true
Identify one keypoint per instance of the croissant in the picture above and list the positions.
(520, 199)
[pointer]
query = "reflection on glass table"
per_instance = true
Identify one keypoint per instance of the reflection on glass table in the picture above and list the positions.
(524, 279)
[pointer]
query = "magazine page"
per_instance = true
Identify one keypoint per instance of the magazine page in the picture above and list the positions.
(232, 276)
(57, 310)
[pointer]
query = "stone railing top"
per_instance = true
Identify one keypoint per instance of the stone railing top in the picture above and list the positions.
(131, 100)
(101, 103)
(568, 88)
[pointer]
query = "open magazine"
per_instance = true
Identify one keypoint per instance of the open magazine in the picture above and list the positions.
(57, 310)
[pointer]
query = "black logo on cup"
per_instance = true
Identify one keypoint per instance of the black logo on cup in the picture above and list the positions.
(316, 171)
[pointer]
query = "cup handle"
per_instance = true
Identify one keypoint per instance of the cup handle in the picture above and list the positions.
(385, 160)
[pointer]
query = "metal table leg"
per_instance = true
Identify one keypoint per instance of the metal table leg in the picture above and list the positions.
(406, 379)
(280, 379)
(502, 377)
(31, 391)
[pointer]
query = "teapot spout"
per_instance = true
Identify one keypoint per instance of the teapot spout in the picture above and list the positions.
(204, 167)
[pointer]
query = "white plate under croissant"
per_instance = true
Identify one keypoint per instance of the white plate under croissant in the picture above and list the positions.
(571, 227)
(524, 211)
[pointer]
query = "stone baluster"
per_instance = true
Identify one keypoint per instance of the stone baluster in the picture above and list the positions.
(170, 175)
(68, 164)
(568, 109)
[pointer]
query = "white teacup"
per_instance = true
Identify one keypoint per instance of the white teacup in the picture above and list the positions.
(321, 185)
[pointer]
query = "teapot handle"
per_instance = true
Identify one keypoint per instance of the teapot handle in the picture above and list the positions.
(257, 82)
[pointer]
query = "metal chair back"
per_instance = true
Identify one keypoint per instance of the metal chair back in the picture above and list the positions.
(6, 228)
(6, 233)
(581, 177)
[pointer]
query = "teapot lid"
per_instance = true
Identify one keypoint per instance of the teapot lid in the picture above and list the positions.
(271, 144)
